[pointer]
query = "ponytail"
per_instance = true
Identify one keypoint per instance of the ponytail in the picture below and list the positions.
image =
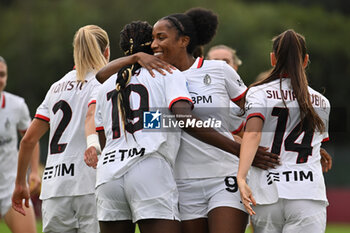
(290, 51)
(90, 42)
(123, 79)
(135, 37)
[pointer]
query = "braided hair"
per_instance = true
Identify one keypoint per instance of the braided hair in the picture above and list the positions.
(135, 37)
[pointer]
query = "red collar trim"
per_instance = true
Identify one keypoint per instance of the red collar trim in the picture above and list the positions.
(200, 62)
(3, 100)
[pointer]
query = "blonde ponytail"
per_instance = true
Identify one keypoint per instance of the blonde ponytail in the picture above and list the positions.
(90, 43)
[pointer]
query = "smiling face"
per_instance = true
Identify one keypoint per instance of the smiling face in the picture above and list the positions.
(3, 76)
(167, 44)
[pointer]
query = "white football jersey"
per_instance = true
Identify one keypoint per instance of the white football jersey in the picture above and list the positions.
(65, 107)
(237, 118)
(212, 85)
(300, 174)
(14, 117)
(148, 97)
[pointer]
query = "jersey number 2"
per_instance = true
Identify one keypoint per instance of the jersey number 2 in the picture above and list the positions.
(304, 149)
(55, 147)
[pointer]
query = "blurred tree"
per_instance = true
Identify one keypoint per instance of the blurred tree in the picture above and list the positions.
(342, 6)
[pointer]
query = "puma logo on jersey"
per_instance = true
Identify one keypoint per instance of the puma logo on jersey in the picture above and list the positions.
(288, 176)
(58, 170)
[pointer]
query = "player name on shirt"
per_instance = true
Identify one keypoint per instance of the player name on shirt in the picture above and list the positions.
(289, 95)
(68, 86)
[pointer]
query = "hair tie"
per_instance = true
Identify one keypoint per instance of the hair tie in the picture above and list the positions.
(117, 87)
(129, 51)
(146, 44)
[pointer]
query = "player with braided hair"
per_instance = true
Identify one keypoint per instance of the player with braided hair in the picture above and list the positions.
(135, 181)
(205, 175)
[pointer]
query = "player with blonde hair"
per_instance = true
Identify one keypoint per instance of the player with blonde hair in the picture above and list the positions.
(68, 184)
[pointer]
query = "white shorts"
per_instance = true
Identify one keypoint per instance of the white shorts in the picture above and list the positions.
(70, 214)
(148, 190)
(197, 197)
(6, 200)
(7, 187)
(290, 216)
(5, 205)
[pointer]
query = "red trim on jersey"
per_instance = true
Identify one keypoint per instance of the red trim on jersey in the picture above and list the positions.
(3, 101)
(180, 98)
(256, 115)
(100, 128)
(239, 129)
(74, 67)
(239, 97)
(200, 62)
(325, 139)
(41, 117)
(92, 102)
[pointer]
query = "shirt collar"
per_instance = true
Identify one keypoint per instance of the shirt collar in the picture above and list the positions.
(2, 100)
(198, 63)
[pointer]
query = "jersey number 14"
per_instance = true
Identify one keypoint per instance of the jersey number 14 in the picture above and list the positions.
(304, 149)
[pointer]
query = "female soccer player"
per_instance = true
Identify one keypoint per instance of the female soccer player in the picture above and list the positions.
(14, 117)
(212, 84)
(68, 184)
(286, 115)
(135, 181)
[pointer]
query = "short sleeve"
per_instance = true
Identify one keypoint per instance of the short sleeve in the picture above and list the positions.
(98, 113)
(324, 111)
(236, 121)
(254, 105)
(234, 84)
(95, 86)
(43, 111)
(24, 119)
(176, 88)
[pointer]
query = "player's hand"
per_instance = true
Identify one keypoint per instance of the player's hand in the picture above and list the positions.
(34, 183)
(265, 160)
(21, 192)
(246, 196)
(326, 160)
(151, 62)
(90, 157)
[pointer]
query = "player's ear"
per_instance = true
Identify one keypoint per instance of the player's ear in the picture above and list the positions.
(273, 59)
(185, 40)
(106, 53)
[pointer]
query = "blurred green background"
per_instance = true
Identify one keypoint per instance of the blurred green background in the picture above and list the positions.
(36, 40)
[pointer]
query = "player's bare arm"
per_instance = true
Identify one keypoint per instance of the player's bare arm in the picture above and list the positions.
(148, 61)
(27, 146)
(262, 159)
